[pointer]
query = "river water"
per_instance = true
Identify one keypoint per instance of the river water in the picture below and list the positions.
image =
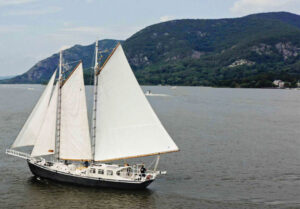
(240, 148)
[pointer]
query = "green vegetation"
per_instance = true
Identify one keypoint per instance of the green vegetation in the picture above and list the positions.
(209, 71)
(201, 52)
(88, 76)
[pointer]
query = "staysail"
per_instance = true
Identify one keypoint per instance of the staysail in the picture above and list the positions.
(45, 143)
(74, 135)
(126, 125)
(30, 130)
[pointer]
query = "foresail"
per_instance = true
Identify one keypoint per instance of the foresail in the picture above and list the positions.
(45, 143)
(74, 135)
(30, 130)
(126, 125)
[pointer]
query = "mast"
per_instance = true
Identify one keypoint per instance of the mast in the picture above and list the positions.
(93, 131)
(58, 110)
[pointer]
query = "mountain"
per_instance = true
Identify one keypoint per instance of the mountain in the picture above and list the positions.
(285, 17)
(250, 51)
(41, 72)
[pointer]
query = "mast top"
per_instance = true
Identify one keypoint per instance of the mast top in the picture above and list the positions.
(107, 59)
(60, 63)
(96, 56)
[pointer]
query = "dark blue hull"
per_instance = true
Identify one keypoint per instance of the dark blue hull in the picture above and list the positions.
(43, 172)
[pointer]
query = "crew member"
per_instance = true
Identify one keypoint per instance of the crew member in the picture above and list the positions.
(143, 171)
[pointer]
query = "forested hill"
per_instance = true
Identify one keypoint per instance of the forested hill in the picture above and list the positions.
(251, 51)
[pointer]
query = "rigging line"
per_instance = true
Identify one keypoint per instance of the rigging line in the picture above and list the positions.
(151, 163)
(67, 63)
(68, 67)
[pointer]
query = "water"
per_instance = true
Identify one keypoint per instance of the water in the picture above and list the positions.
(240, 148)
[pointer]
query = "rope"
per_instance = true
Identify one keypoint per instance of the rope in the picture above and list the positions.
(151, 163)
(70, 62)
(66, 67)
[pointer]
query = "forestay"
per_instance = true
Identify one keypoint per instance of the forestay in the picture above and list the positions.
(30, 130)
(45, 143)
(126, 126)
(75, 138)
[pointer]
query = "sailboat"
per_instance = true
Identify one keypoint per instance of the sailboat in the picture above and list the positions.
(123, 126)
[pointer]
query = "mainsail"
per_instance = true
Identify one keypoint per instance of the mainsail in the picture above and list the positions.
(74, 135)
(126, 125)
(30, 130)
(45, 142)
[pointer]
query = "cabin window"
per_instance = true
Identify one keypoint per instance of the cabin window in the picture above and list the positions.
(92, 170)
(100, 171)
(109, 172)
(118, 173)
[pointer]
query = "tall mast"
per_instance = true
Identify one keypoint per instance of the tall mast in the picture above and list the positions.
(95, 103)
(58, 110)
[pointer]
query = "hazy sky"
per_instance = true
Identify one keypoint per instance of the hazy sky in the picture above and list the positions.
(31, 30)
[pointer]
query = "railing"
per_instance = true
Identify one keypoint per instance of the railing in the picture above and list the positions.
(18, 154)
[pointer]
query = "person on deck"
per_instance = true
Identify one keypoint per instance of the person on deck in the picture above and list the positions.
(86, 164)
(143, 171)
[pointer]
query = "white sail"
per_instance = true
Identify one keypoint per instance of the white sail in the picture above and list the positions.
(45, 143)
(126, 125)
(30, 130)
(74, 135)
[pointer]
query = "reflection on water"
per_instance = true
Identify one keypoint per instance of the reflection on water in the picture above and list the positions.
(38, 192)
(239, 149)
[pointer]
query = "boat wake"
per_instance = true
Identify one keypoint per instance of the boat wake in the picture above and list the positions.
(157, 95)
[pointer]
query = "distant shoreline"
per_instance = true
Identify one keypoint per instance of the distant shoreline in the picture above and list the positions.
(169, 86)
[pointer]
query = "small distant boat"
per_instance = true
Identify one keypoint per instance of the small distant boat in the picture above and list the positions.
(148, 92)
(123, 126)
(173, 87)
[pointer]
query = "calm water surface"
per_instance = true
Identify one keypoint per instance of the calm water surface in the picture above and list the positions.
(240, 148)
